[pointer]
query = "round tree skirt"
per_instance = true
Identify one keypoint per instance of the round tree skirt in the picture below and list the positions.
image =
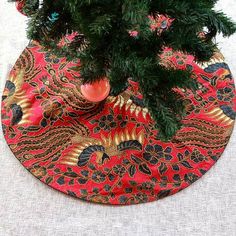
(107, 152)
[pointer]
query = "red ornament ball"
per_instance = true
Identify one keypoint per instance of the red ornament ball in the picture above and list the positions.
(97, 91)
(19, 7)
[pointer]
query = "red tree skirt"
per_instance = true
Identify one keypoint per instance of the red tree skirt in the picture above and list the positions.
(108, 152)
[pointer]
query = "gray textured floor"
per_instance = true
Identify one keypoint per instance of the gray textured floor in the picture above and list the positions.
(28, 207)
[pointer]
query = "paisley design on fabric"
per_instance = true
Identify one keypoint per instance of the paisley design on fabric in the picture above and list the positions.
(108, 152)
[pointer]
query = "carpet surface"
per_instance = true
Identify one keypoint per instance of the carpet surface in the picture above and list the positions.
(27, 207)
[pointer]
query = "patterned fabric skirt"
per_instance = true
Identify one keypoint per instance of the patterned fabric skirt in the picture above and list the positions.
(107, 152)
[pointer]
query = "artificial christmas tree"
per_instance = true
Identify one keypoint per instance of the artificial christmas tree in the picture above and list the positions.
(157, 62)
(124, 39)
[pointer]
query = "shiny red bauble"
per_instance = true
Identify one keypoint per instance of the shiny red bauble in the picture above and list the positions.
(19, 7)
(97, 91)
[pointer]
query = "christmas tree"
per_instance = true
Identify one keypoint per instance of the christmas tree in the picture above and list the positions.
(120, 40)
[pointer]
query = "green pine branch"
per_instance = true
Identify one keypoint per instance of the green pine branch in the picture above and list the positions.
(106, 48)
